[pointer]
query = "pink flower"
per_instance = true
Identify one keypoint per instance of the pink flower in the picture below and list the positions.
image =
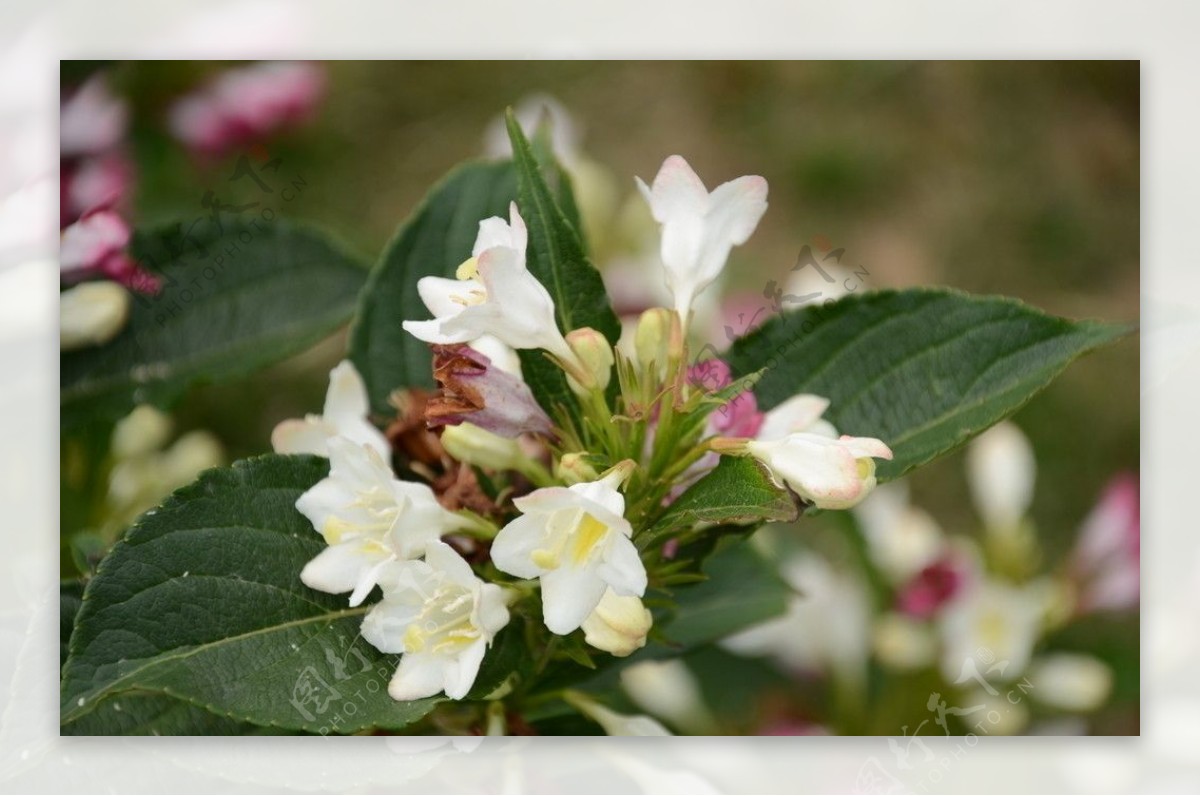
(931, 588)
(1106, 562)
(92, 119)
(737, 418)
(94, 183)
(246, 104)
(95, 244)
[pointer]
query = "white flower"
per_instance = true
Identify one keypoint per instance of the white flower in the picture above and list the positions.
(91, 314)
(441, 617)
(798, 413)
(494, 295)
(668, 689)
(614, 723)
(829, 473)
(368, 518)
(578, 542)
(903, 539)
(1000, 471)
(902, 642)
(1070, 681)
(345, 415)
(618, 625)
(991, 628)
(698, 228)
(804, 638)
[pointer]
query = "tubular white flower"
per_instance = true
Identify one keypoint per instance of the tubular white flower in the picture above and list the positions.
(992, 624)
(495, 295)
(830, 473)
(577, 541)
(1001, 471)
(798, 413)
(700, 228)
(440, 617)
(614, 723)
(368, 518)
(345, 415)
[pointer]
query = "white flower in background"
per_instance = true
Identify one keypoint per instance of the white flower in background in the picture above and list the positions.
(1001, 471)
(826, 626)
(614, 723)
(440, 617)
(991, 630)
(669, 690)
(902, 539)
(1070, 681)
(796, 414)
(829, 473)
(618, 625)
(91, 314)
(902, 642)
(92, 119)
(369, 518)
(345, 415)
(577, 541)
(698, 228)
(1106, 562)
(494, 295)
(530, 112)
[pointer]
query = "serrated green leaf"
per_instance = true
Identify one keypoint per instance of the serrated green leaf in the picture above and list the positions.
(202, 602)
(141, 713)
(70, 599)
(556, 256)
(735, 491)
(236, 297)
(924, 370)
(433, 241)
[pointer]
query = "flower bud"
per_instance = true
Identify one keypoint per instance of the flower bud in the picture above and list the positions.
(91, 314)
(144, 430)
(618, 625)
(652, 339)
(595, 354)
(574, 468)
(614, 723)
(473, 445)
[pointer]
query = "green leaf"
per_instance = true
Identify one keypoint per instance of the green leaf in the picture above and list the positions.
(235, 298)
(70, 599)
(557, 258)
(924, 370)
(743, 589)
(434, 241)
(202, 602)
(143, 713)
(735, 491)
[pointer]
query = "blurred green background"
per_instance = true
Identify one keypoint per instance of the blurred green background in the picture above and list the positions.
(1017, 178)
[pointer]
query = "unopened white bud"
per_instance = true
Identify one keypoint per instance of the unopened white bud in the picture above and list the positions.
(595, 355)
(91, 314)
(473, 445)
(618, 625)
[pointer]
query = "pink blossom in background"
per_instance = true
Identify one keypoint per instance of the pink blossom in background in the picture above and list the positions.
(931, 588)
(95, 245)
(1106, 562)
(92, 119)
(741, 313)
(246, 104)
(93, 183)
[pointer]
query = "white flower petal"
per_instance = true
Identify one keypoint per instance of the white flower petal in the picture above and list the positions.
(512, 549)
(622, 567)
(417, 677)
(340, 568)
(1001, 470)
(569, 595)
(797, 413)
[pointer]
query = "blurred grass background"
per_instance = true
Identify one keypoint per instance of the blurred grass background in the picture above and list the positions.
(1017, 178)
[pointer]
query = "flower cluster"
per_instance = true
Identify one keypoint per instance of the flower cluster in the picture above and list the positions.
(555, 532)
